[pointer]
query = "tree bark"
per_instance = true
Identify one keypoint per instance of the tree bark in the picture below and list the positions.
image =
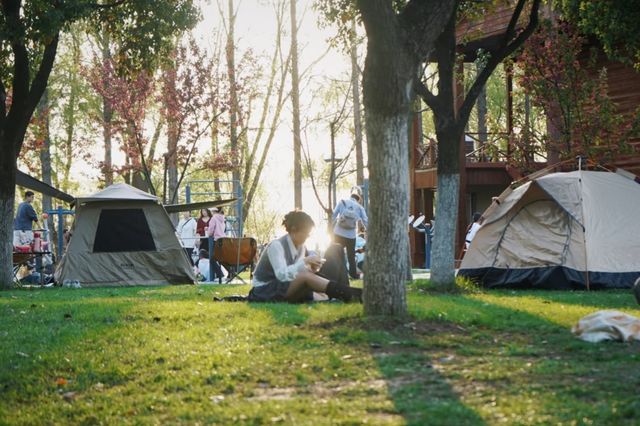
(107, 117)
(388, 90)
(7, 195)
(384, 289)
(45, 159)
(482, 112)
(295, 105)
(357, 112)
(233, 94)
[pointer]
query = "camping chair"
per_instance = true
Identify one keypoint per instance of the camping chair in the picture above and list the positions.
(236, 255)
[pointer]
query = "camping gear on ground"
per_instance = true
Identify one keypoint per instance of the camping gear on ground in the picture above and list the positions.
(235, 255)
(608, 325)
(575, 230)
(122, 236)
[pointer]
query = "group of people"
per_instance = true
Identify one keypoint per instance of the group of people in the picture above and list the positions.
(194, 235)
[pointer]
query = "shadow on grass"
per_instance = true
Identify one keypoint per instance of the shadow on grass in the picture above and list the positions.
(41, 333)
(419, 393)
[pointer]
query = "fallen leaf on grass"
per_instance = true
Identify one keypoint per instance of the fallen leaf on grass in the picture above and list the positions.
(69, 396)
(61, 381)
(347, 356)
(216, 399)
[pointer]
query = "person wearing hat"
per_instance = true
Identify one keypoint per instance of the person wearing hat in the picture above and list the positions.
(346, 217)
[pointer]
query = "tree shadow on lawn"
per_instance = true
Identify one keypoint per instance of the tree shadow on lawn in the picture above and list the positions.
(44, 339)
(486, 362)
(406, 374)
(512, 351)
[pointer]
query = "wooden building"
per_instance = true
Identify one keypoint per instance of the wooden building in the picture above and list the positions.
(486, 169)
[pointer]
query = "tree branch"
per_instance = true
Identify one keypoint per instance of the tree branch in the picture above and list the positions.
(515, 17)
(429, 98)
(506, 50)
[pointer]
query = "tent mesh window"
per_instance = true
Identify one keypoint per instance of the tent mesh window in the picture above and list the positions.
(123, 230)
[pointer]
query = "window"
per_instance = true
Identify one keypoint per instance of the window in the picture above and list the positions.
(123, 230)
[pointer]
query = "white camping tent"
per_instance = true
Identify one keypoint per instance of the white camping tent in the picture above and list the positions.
(562, 230)
(123, 237)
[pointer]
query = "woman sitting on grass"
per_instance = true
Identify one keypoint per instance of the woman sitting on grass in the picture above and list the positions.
(286, 273)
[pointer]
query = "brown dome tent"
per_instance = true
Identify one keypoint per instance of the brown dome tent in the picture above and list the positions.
(571, 230)
(123, 236)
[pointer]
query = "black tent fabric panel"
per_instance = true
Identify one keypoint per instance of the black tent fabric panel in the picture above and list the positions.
(549, 278)
(121, 230)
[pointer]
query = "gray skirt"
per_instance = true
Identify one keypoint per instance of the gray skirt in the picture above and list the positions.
(275, 291)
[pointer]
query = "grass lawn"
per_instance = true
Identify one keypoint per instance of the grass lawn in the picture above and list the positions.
(173, 356)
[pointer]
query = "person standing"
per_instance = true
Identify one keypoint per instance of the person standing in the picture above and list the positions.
(216, 230)
(187, 232)
(472, 229)
(23, 223)
(346, 217)
(201, 227)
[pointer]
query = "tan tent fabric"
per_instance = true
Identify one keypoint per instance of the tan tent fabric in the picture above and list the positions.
(167, 264)
(118, 191)
(583, 224)
(608, 325)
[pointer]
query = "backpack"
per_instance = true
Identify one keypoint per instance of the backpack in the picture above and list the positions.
(349, 217)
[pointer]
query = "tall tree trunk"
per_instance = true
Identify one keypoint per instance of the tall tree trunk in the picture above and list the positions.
(357, 111)
(172, 149)
(295, 104)
(482, 111)
(45, 159)
(70, 116)
(388, 210)
(388, 81)
(233, 95)
(447, 205)
(107, 117)
(7, 196)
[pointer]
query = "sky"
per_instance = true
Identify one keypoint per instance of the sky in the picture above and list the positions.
(255, 28)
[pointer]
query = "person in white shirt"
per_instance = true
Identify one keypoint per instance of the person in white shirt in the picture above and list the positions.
(286, 273)
(186, 230)
(472, 229)
(203, 266)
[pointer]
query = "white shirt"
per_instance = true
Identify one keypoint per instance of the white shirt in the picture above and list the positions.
(187, 232)
(203, 267)
(472, 233)
(284, 272)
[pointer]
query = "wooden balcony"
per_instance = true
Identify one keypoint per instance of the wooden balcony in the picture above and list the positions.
(486, 161)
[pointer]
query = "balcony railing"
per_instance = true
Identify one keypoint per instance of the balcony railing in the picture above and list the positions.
(479, 148)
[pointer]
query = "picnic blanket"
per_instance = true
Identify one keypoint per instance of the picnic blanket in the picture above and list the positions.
(608, 325)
